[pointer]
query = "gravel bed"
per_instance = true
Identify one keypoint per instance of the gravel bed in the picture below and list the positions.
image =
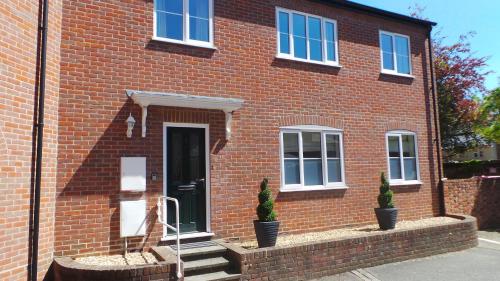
(294, 239)
(116, 260)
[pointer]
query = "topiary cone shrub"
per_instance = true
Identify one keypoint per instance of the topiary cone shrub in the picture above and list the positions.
(265, 208)
(386, 215)
(385, 196)
(266, 227)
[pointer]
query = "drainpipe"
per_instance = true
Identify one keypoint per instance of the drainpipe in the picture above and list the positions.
(39, 142)
(442, 207)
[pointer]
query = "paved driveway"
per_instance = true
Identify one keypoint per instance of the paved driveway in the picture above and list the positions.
(480, 263)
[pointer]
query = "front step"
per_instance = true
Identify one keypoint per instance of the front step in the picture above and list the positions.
(206, 261)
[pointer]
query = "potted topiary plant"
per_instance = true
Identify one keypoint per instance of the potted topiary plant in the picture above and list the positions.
(266, 227)
(386, 214)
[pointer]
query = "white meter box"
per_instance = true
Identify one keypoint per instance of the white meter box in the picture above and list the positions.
(132, 218)
(133, 174)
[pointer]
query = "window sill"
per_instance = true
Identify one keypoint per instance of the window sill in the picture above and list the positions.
(332, 64)
(402, 183)
(385, 72)
(313, 188)
(191, 43)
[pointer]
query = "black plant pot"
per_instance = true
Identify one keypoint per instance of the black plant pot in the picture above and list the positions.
(386, 217)
(266, 233)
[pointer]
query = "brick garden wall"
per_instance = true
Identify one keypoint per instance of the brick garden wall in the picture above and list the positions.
(305, 262)
(107, 48)
(477, 197)
(18, 57)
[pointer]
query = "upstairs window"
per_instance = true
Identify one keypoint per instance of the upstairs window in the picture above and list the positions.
(306, 37)
(184, 21)
(395, 53)
(312, 158)
(402, 157)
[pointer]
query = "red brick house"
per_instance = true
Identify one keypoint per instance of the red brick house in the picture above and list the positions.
(318, 96)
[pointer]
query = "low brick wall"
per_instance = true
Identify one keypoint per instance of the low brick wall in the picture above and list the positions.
(67, 269)
(309, 261)
(478, 197)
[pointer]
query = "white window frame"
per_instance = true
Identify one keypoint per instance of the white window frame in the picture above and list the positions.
(324, 54)
(394, 56)
(326, 185)
(400, 135)
(185, 32)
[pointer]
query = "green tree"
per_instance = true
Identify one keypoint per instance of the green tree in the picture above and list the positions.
(489, 113)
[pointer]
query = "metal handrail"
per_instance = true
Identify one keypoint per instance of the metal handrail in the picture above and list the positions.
(162, 220)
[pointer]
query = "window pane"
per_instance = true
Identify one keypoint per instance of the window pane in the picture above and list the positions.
(393, 146)
(284, 29)
(199, 9)
(332, 146)
(291, 145)
(171, 6)
(403, 55)
(387, 51)
(299, 36)
(330, 41)
(395, 168)
(316, 50)
(169, 25)
(410, 169)
(292, 174)
(334, 170)
(313, 174)
(311, 144)
(408, 145)
(314, 28)
(199, 29)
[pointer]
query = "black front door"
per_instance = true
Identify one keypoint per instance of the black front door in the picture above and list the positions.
(186, 172)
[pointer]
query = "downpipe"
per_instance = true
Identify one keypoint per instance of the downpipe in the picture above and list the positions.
(39, 141)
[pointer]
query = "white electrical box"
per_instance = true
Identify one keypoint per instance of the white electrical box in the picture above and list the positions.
(132, 218)
(133, 174)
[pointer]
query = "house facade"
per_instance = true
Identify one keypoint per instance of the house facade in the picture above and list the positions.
(199, 100)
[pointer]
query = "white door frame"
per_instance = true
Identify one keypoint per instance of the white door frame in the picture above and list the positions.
(207, 173)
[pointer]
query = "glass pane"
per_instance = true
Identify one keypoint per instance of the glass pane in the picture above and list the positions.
(330, 32)
(313, 174)
(403, 55)
(300, 47)
(292, 174)
(199, 29)
(284, 43)
(311, 144)
(333, 146)
(408, 145)
(395, 168)
(387, 51)
(171, 6)
(299, 36)
(393, 146)
(284, 25)
(169, 25)
(410, 169)
(291, 145)
(199, 9)
(330, 51)
(316, 50)
(314, 28)
(334, 170)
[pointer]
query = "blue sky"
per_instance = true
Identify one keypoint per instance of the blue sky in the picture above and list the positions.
(456, 17)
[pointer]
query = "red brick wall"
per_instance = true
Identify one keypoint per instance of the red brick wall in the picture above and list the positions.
(107, 48)
(476, 197)
(18, 55)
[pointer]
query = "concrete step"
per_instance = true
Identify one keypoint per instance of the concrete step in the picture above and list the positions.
(203, 251)
(205, 264)
(214, 276)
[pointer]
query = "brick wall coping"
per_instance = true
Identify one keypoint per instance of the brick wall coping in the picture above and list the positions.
(66, 268)
(328, 257)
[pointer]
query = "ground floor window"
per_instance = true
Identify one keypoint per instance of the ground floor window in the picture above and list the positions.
(311, 158)
(402, 157)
